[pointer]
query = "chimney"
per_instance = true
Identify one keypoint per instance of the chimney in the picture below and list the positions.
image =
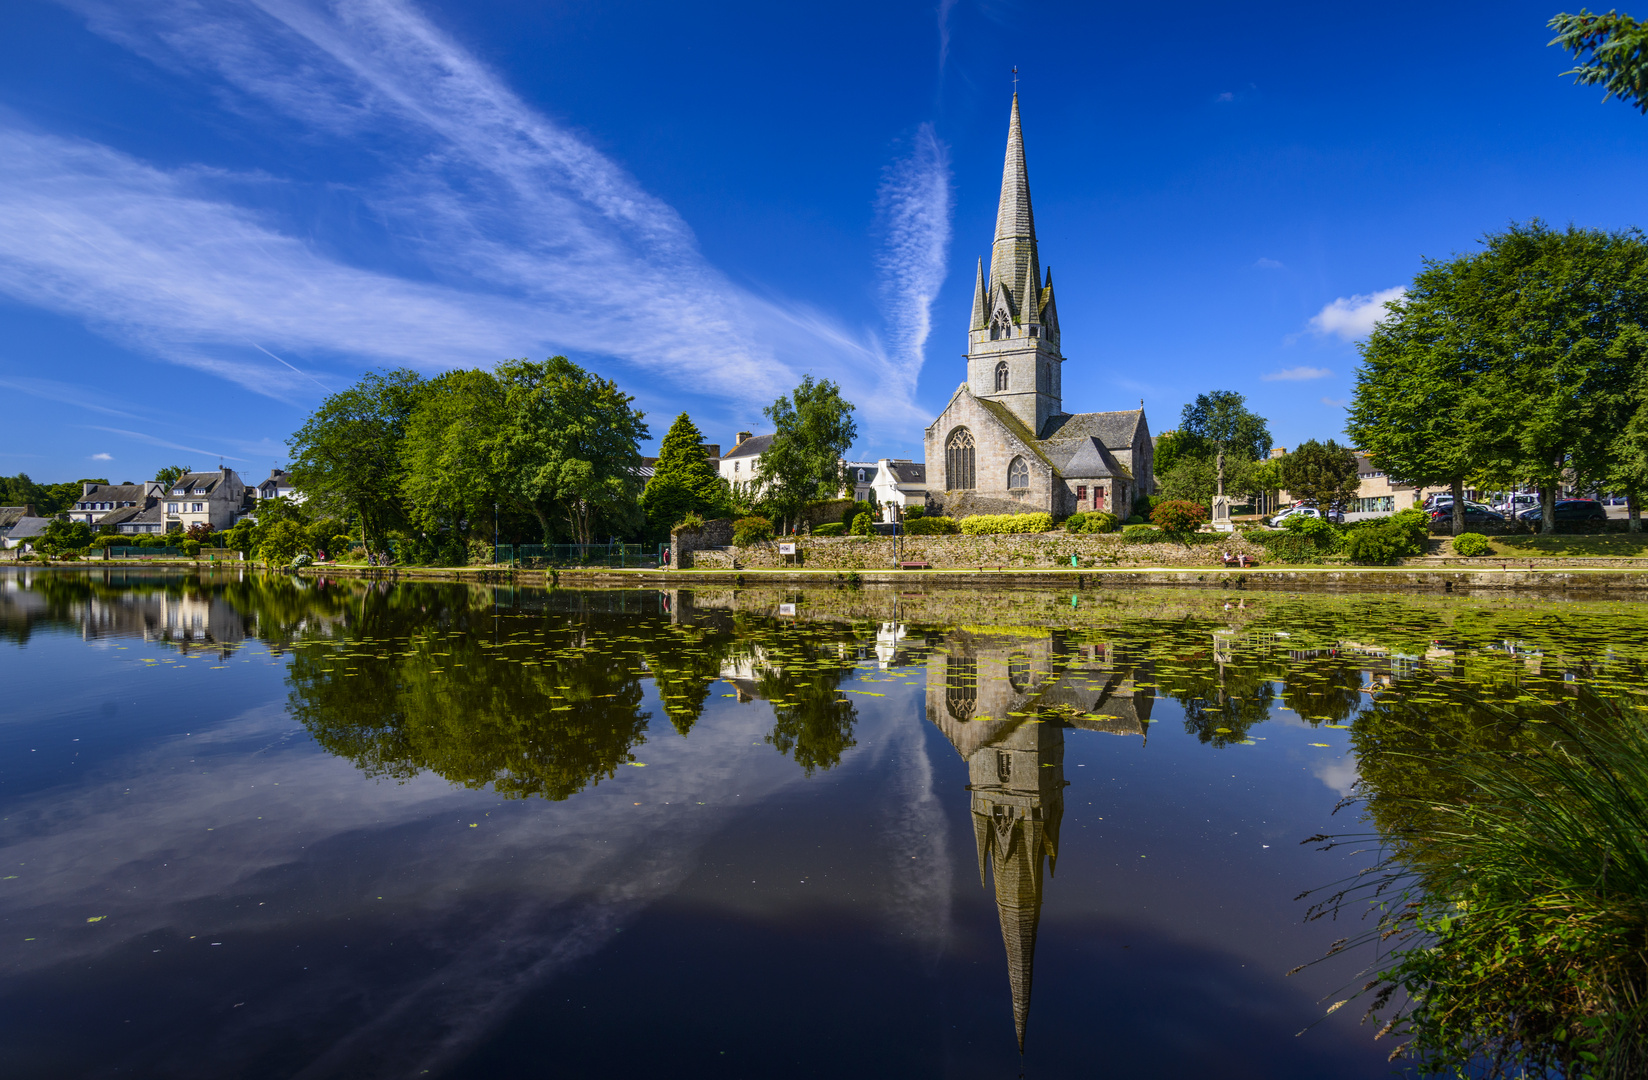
(743, 436)
(86, 487)
(712, 450)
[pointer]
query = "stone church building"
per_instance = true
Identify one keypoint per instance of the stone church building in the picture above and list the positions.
(1004, 443)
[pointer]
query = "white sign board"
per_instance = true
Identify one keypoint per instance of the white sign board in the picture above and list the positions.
(786, 609)
(786, 549)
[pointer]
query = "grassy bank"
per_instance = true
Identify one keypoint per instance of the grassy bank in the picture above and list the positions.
(1570, 546)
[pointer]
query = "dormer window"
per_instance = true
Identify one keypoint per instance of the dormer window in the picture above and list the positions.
(861, 476)
(177, 491)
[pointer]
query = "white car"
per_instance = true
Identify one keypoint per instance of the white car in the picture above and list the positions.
(1293, 511)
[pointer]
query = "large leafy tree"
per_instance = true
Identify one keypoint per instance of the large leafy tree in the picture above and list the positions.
(1219, 423)
(1612, 50)
(815, 426)
(683, 481)
(346, 459)
(449, 478)
(1418, 411)
(1322, 473)
(568, 444)
(1628, 459)
(1562, 312)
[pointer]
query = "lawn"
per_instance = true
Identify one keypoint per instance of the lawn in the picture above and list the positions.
(1578, 546)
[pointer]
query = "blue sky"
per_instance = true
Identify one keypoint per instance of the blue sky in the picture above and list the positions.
(213, 212)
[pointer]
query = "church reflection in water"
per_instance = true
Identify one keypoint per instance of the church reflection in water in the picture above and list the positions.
(1005, 702)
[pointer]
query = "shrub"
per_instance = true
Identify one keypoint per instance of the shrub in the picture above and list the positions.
(1321, 532)
(751, 530)
(1381, 545)
(914, 512)
(337, 546)
(25, 557)
(829, 528)
(1137, 520)
(1415, 526)
(861, 525)
(930, 526)
(691, 522)
(1090, 521)
(1143, 534)
(1178, 516)
(481, 553)
(1289, 547)
(850, 514)
(189, 547)
(1470, 544)
(990, 524)
(301, 559)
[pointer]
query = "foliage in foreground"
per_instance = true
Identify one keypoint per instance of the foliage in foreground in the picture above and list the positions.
(1515, 889)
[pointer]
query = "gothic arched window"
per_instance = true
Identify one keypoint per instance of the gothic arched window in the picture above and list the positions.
(958, 461)
(1018, 474)
(960, 686)
(1001, 376)
(1018, 672)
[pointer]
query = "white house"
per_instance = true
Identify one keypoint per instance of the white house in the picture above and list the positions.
(894, 484)
(98, 501)
(203, 498)
(278, 486)
(738, 465)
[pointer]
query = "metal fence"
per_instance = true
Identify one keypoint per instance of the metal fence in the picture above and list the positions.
(144, 552)
(544, 556)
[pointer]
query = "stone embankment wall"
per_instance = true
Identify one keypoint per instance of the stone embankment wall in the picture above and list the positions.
(1008, 551)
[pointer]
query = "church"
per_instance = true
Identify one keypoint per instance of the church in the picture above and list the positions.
(1004, 443)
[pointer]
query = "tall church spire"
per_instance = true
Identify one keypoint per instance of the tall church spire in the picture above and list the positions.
(1013, 257)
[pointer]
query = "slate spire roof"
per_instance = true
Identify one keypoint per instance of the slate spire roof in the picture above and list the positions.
(1013, 258)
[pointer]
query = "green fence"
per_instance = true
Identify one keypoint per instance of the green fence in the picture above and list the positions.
(544, 556)
(144, 552)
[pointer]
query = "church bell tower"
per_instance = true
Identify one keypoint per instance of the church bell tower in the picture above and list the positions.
(1013, 343)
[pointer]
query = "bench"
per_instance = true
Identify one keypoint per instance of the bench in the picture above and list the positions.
(914, 566)
(1237, 562)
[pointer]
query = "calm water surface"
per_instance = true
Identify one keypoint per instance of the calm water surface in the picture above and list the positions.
(262, 828)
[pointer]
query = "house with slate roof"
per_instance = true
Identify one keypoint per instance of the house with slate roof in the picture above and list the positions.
(209, 498)
(738, 465)
(97, 502)
(1004, 443)
(897, 483)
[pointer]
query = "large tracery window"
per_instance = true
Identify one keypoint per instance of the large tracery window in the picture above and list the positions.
(958, 461)
(1018, 474)
(1001, 376)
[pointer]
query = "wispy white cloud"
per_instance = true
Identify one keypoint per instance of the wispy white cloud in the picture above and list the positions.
(153, 441)
(1352, 317)
(1296, 374)
(528, 238)
(1268, 264)
(64, 393)
(102, 457)
(1335, 403)
(914, 205)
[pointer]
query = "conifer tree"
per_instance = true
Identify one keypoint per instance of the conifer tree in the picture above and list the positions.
(684, 481)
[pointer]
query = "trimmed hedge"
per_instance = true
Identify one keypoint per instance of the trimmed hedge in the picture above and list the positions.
(829, 528)
(1143, 534)
(1288, 547)
(861, 525)
(930, 526)
(987, 524)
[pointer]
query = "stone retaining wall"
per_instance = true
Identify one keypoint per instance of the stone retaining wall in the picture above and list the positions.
(1007, 551)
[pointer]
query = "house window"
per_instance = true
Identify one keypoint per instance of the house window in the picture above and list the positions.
(199, 507)
(1081, 494)
(1018, 474)
(171, 508)
(177, 491)
(1001, 376)
(958, 461)
(861, 476)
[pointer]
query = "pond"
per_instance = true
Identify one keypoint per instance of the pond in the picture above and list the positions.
(265, 827)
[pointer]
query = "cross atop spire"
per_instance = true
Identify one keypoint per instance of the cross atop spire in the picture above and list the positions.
(1013, 257)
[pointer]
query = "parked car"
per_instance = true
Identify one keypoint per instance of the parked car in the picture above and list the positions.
(1568, 510)
(1281, 516)
(1476, 515)
(1515, 504)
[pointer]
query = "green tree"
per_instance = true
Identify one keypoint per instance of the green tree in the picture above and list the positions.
(1220, 421)
(1322, 473)
(167, 476)
(815, 426)
(346, 458)
(1169, 446)
(1562, 313)
(448, 468)
(1628, 460)
(1618, 48)
(569, 443)
(1418, 410)
(683, 481)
